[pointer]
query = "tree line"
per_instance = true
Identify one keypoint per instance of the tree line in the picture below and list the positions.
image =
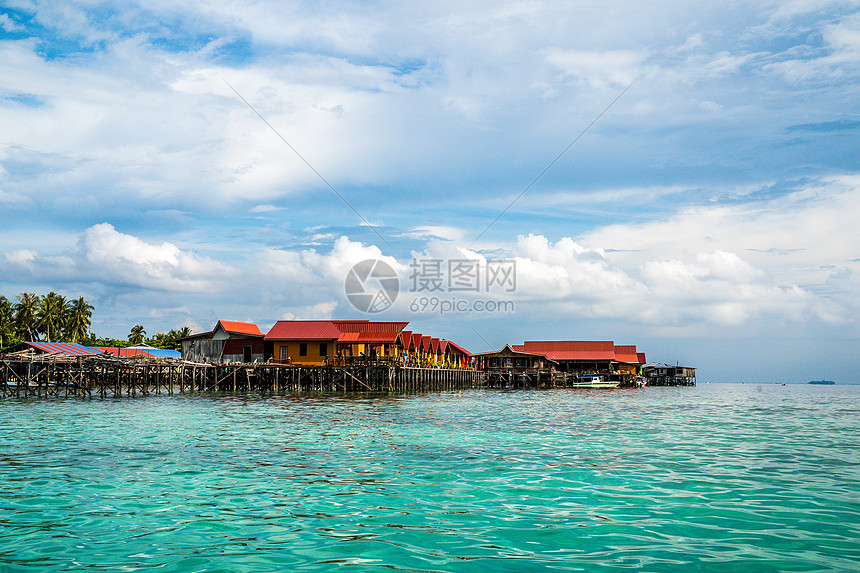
(54, 318)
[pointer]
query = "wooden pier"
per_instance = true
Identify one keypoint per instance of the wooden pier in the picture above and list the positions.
(60, 375)
(88, 376)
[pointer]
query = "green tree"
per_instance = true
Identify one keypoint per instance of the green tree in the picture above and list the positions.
(173, 336)
(51, 315)
(7, 322)
(160, 340)
(137, 334)
(79, 318)
(25, 313)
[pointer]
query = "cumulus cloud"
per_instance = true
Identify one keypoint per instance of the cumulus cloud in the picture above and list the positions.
(792, 258)
(690, 286)
(372, 98)
(312, 267)
(29, 265)
(105, 255)
(431, 119)
(774, 256)
(795, 237)
(567, 279)
(309, 283)
(129, 260)
(709, 288)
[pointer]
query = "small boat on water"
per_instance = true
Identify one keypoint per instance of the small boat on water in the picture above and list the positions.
(639, 381)
(593, 381)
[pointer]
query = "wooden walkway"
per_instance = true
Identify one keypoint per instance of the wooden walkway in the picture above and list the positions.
(84, 376)
(55, 375)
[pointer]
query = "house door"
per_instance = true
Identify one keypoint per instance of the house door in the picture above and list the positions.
(246, 354)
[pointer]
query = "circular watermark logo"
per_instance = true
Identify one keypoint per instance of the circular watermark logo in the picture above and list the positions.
(371, 285)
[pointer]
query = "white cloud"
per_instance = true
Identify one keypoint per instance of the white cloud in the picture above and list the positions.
(22, 257)
(791, 259)
(170, 311)
(8, 24)
(615, 68)
(129, 260)
(310, 283)
(774, 256)
(265, 208)
(148, 123)
(628, 195)
(692, 42)
(312, 267)
(29, 265)
(14, 198)
(431, 116)
(792, 238)
(660, 275)
(790, 9)
(320, 311)
(568, 280)
(438, 231)
(839, 60)
(107, 256)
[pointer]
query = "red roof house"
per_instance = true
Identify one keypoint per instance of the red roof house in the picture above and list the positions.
(228, 341)
(317, 342)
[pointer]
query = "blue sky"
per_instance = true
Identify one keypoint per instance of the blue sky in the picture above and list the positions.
(709, 216)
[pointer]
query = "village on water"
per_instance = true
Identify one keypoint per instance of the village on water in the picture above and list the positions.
(324, 355)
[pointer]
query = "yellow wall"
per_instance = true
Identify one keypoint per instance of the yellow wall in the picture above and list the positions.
(313, 356)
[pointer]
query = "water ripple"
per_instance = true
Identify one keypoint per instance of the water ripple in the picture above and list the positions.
(718, 478)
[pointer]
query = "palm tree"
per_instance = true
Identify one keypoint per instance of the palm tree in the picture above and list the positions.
(51, 313)
(25, 313)
(79, 318)
(174, 335)
(136, 335)
(158, 341)
(7, 321)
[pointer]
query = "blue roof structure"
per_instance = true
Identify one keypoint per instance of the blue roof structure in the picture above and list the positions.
(69, 348)
(157, 352)
(74, 349)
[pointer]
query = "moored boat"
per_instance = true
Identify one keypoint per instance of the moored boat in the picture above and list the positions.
(593, 381)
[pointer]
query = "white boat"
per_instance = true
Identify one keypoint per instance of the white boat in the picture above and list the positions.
(592, 381)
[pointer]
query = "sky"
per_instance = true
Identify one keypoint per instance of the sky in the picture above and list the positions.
(680, 176)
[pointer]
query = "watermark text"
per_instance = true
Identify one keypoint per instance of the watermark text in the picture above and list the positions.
(444, 306)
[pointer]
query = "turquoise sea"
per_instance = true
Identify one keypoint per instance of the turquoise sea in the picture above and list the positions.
(719, 477)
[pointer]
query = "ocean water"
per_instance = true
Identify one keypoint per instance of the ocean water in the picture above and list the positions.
(720, 477)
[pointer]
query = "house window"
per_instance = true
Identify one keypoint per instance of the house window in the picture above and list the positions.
(519, 363)
(494, 362)
(285, 354)
(323, 349)
(303, 349)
